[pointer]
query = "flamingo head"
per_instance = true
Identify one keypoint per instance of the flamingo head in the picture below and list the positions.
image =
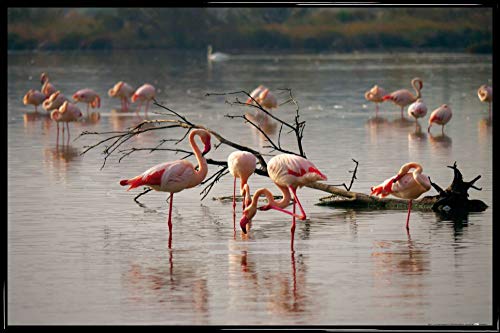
(43, 78)
(205, 138)
(248, 214)
(77, 96)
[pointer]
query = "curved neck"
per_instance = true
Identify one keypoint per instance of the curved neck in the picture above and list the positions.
(408, 166)
(270, 197)
(202, 162)
(417, 88)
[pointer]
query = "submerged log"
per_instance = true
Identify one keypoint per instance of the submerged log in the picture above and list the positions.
(455, 199)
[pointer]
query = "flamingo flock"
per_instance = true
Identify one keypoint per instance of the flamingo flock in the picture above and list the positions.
(288, 172)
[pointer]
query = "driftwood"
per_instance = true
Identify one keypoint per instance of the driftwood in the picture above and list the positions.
(455, 199)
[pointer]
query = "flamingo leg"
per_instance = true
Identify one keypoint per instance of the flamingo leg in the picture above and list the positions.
(292, 229)
(376, 110)
(303, 217)
(146, 111)
(402, 112)
(138, 108)
(57, 137)
(442, 129)
(234, 197)
(171, 199)
(88, 104)
(67, 126)
(408, 217)
(36, 108)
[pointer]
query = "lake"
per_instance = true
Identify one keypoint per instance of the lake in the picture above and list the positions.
(82, 251)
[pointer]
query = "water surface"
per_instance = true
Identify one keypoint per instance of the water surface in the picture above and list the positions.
(81, 251)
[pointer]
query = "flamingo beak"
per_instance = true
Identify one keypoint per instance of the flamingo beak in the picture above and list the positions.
(243, 223)
(208, 146)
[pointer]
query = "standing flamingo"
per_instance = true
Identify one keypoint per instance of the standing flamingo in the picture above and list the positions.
(405, 185)
(375, 95)
(88, 96)
(146, 93)
(404, 97)
(264, 97)
(54, 101)
(288, 172)
(47, 87)
(417, 110)
(175, 176)
(68, 112)
(123, 91)
(241, 164)
(485, 94)
(440, 116)
(34, 97)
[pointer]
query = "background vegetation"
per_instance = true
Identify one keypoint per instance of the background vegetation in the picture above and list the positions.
(321, 29)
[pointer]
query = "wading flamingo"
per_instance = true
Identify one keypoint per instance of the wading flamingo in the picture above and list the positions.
(264, 97)
(54, 101)
(288, 172)
(123, 91)
(175, 176)
(34, 97)
(405, 185)
(47, 87)
(404, 97)
(88, 96)
(241, 164)
(217, 56)
(375, 95)
(144, 93)
(485, 94)
(68, 112)
(417, 110)
(440, 116)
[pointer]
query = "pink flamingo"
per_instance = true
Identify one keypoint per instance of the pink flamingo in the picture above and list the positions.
(175, 176)
(144, 93)
(405, 185)
(264, 97)
(68, 112)
(241, 164)
(123, 91)
(375, 95)
(288, 172)
(485, 94)
(54, 101)
(404, 97)
(34, 97)
(440, 116)
(47, 87)
(417, 110)
(88, 96)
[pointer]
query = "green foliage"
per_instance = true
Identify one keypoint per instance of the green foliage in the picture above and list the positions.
(319, 29)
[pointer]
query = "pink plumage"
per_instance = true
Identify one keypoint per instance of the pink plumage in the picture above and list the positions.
(144, 93)
(440, 116)
(404, 97)
(241, 164)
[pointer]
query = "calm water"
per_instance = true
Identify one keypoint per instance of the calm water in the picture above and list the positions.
(81, 251)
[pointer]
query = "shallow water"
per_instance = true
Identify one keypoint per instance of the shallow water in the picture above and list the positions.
(81, 251)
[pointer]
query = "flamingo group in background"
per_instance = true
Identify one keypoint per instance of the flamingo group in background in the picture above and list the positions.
(123, 91)
(440, 116)
(264, 97)
(175, 176)
(485, 94)
(47, 87)
(417, 110)
(144, 93)
(241, 164)
(34, 97)
(404, 97)
(88, 96)
(54, 101)
(405, 185)
(288, 172)
(68, 112)
(375, 95)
